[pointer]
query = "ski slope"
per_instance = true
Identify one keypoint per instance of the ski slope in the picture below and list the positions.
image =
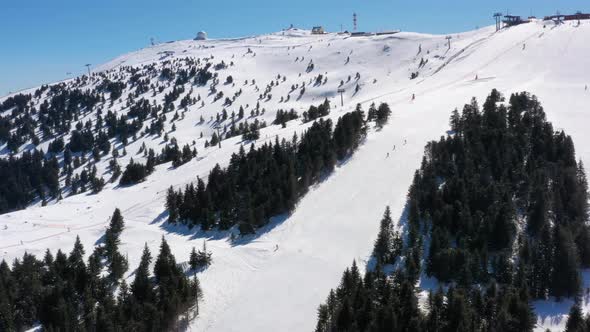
(275, 280)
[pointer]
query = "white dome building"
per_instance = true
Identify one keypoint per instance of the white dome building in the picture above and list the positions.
(201, 35)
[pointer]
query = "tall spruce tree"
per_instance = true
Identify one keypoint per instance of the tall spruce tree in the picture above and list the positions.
(383, 244)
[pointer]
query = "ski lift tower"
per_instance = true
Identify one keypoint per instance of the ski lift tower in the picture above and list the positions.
(88, 67)
(448, 38)
(498, 17)
(217, 127)
(341, 91)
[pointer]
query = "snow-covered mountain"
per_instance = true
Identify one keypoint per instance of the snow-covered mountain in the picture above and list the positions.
(275, 280)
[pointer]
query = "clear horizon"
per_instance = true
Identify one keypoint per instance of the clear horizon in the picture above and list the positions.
(47, 42)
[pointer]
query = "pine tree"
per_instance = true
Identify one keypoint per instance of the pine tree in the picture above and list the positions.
(455, 121)
(582, 198)
(117, 264)
(566, 279)
(165, 266)
(583, 245)
(214, 139)
(575, 321)
(372, 113)
(193, 260)
(383, 244)
(382, 115)
(171, 205)
(76, 266)
(141, 288)
(117, 224)
(203, 257)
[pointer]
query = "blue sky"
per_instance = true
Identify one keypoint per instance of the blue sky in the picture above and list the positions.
(43, 40)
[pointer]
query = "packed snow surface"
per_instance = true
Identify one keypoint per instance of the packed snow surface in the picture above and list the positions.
(275, 280)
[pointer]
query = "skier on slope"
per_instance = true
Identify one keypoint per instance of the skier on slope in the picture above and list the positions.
(413, 96)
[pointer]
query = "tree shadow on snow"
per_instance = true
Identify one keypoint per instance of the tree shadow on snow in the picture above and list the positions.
(231, 235)
(160, 217)
(186, 269)
(249, 238)
(193, 233)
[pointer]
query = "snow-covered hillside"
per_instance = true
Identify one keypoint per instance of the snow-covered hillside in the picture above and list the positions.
(275, 280)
